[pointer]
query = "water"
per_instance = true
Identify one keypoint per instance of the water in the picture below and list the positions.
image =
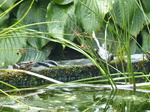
(76, 98)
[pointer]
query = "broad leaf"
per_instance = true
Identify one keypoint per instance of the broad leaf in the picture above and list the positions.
(122, 12)
(63, 2)
(133, 46)
(5, 4)
(128, 16)
(34, 54)
(10, 47)
(3, 17)
(137, 22)
(146, 5)
(35, 15)
(66, 20)
(146, 40)
(147, 21)
(37, 42)
(90, 13)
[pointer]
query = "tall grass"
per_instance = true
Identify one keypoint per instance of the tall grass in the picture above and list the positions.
(89, 51)
(123, 38)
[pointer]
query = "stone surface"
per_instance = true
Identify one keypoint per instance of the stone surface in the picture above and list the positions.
(69, 73)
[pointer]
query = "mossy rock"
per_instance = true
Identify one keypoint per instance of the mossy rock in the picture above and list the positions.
(66, 74)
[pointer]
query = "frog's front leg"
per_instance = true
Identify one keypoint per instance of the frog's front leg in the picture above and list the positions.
(15, 66)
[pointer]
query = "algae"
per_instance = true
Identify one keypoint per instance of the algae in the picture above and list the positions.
(67, 73)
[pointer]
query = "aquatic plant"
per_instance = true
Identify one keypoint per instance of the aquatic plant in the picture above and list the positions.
(116, 25)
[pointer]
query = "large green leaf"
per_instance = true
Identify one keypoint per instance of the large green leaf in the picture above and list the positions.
(63, 2)
(66, 20)
(37, 42)
(5, 4)
(137, 22)
(10, 47)
(128, 16)
(90, 13)
(34, 54)
(146, 5)
(133, 46)
(3, 17)
(146, 40)
(122, 12)
(35, 15)
(147, 22)
(146, 8)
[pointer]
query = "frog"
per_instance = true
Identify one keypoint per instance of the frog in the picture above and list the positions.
(24, 65)
(30, 65)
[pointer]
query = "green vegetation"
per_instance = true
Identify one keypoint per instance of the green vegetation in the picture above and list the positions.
(24, 23)
(30, 29)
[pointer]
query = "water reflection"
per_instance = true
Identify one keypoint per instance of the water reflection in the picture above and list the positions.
(76, 98)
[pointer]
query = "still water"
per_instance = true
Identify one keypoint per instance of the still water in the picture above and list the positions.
(76, 98)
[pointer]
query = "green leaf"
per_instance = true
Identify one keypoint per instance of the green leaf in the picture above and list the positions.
(147, 21)
(34, 54)
(37, 42)
(90, 13)
(63, 2)
(36, 15)
(128, 16)
(5, 4)
(3, 17)
(146, 6)
(10, 47)
(133, 46)
(146, 40)
(137, 22)
(122, 12)
(66, 20)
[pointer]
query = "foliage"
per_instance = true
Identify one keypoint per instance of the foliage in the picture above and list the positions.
(67, 21)
(117, 23)
(90, 14)
(28, 28)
